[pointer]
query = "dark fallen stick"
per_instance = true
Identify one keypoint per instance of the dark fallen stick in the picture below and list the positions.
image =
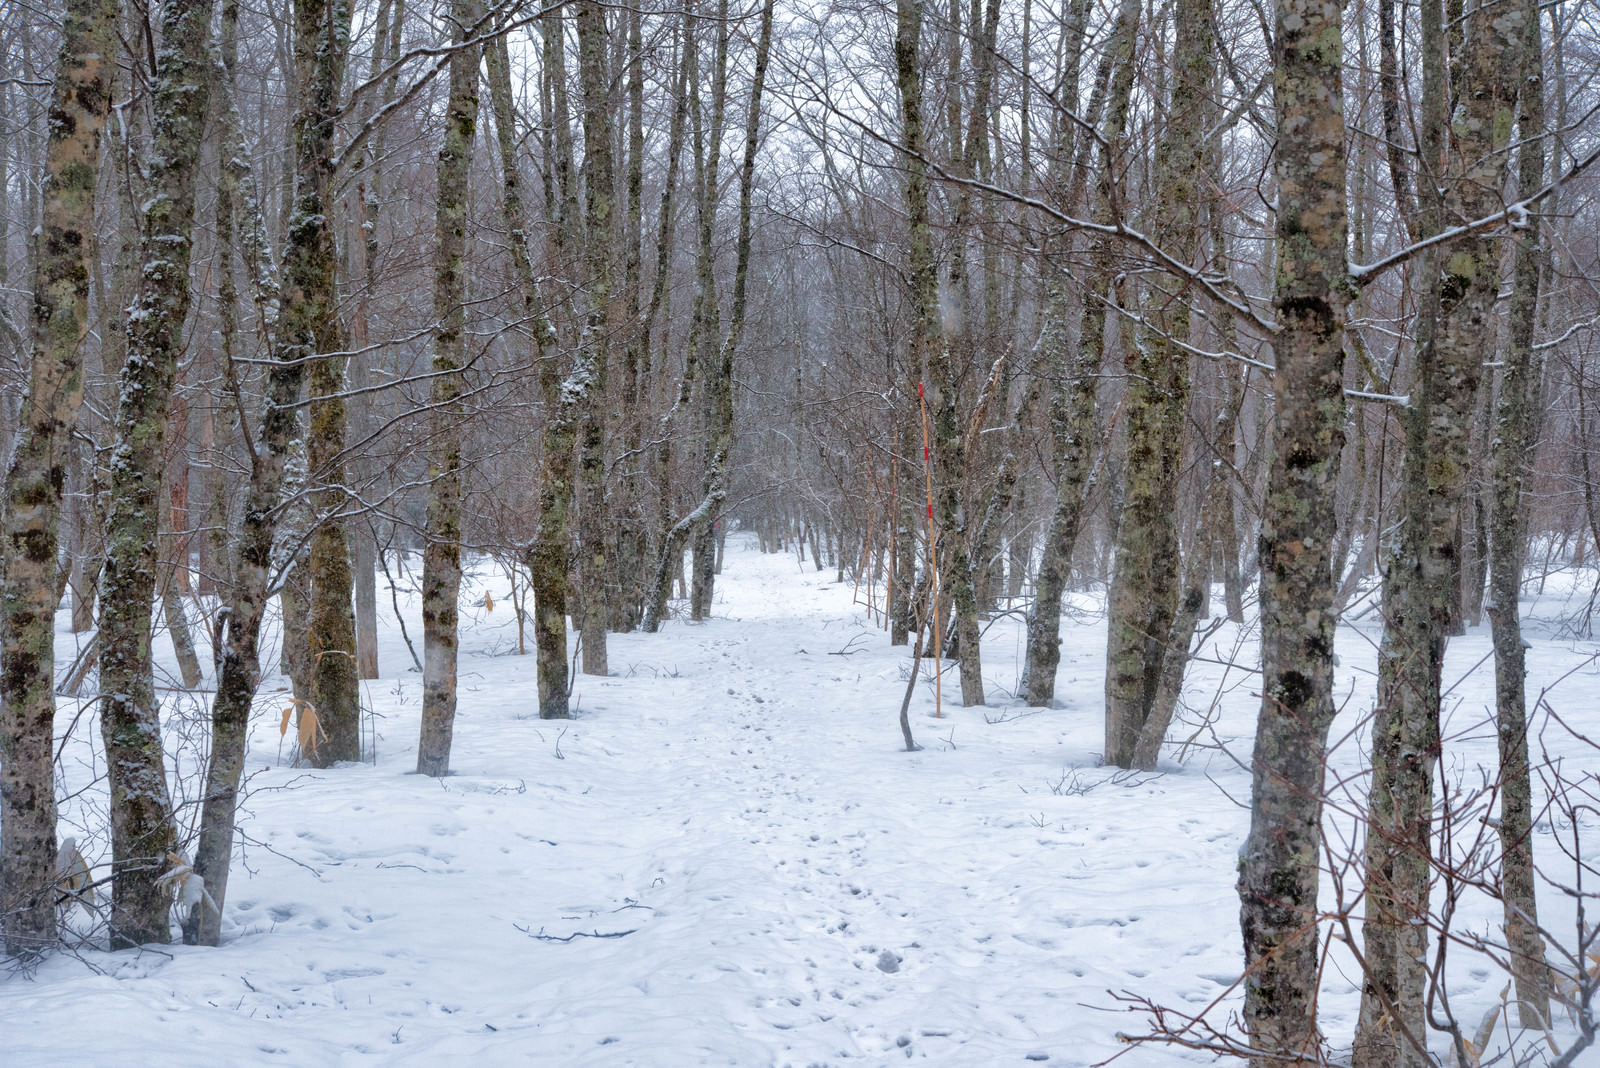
(541, 936)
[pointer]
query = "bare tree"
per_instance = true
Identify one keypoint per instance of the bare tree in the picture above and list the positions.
(441, 552)
(598, 252)
(1516, 433)
(565, 402)
(1278, 866)
(142, 829)
(717, 383)
(1148, 630)
(80, 101)
(1422, 578)
(1073, 364)
(324, 26)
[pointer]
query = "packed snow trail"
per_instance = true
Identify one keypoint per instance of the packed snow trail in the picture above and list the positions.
(725, 858)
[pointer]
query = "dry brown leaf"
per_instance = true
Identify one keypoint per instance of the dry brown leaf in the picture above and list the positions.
(311, 733)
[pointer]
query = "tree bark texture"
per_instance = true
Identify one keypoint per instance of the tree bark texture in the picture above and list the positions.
(705, 154)
(36, 481)
(1144, 621)
(335, 691)
(565, 400)
(1074, 363)
(926, 333)
(599, 247)
(1516, 433)
(441, 552)
(705, 318)
(142, 831)
(1422, 578)
(628, 562)
(1278, 867)
(551, 649)
(369, 196)
(307, 300)
(294, 610)
(944, 356)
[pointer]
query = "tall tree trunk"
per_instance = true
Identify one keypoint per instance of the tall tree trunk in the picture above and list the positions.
(294, 609)
(719, 382)
(599, 248)
(1214, 535)
(705, 145)
(307, 303)
(63, 261)
(565, 400)
(905, 479)
(1422, 578)
(705, 318)
(441, 550)
(364, 561)
(1145, 624)
(1516, 433)
(498, 74)
(1074, 363)
(1278, 867)
(179, 633)
(335, 691)
(921, 271)
(943, 357)
(1390, 1026)
(369, 197)
(629, 563)
(142, 830)
(652, 609)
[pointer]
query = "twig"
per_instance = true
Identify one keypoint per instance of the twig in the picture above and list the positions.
(541, 936)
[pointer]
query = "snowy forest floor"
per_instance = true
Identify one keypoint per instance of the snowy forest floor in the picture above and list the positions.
(726, 858)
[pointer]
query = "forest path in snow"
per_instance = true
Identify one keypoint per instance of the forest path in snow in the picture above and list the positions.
(726, 857)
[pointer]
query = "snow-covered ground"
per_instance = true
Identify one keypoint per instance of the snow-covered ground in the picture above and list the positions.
(727, 858)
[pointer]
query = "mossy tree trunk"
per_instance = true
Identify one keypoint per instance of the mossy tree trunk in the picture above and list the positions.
(63, 260)
(294, 609)
(441, 550)
(142, 829)
(922, 276)
(705, 323)
(249, 557)
(1279, 864)
(335, 689)
(1073, 363)
(369, 199)
(1422, 582)
(944, 355)
(598, 172)
(1516, 434)
(1389, 1030)
(627, 607)
(1212, 540)
(1145, 625)
(564, 400)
